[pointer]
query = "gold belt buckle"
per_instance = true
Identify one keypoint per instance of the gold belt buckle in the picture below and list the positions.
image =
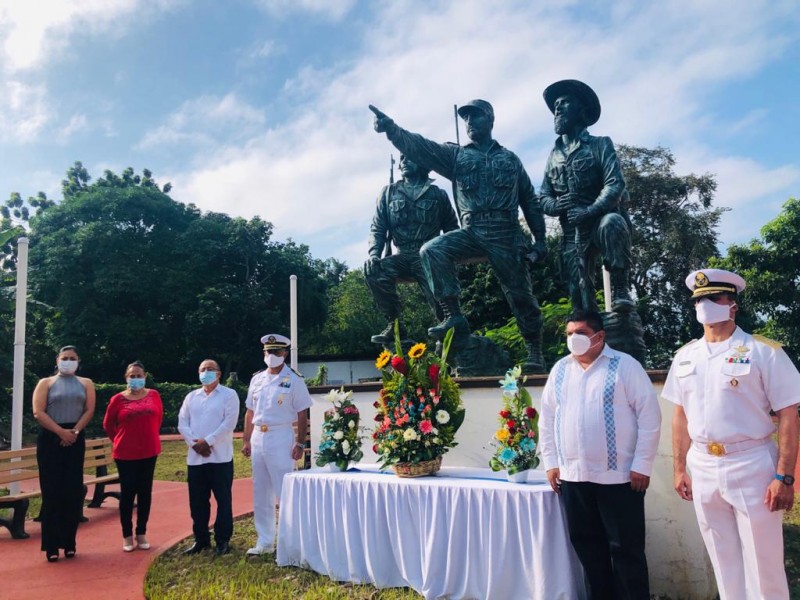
(264, 428)
(716, 448)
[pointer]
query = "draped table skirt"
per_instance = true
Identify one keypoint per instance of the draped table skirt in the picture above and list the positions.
(465, 533)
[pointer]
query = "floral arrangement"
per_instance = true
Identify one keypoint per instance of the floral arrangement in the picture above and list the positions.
(517, 438)
(341, 440)
(419, 408)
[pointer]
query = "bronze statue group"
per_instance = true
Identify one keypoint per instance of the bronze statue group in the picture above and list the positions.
(600, 420)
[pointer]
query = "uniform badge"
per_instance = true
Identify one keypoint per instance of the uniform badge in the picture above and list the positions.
(734, 382)
(740, 355)
(700, 280)
(280, 399)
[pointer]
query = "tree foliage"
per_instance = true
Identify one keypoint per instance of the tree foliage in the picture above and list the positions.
(771, 267)
(674, 232)
(132, 274)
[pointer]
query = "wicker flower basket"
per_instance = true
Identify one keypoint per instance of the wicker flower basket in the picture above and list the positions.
(420, 469)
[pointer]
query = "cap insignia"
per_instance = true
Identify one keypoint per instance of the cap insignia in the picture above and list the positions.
(700, 280)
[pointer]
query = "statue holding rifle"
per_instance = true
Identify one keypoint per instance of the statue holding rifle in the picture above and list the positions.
(408, 214)
(491, 186)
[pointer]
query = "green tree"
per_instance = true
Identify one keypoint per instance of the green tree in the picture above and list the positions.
(771, 268)
(674, 232)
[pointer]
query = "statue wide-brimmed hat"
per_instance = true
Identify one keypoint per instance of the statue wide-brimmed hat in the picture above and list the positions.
(709, 282)
(581, 91)
(275, 341)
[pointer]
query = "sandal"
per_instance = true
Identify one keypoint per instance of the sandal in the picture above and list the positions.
(69, 553)
(52, 557)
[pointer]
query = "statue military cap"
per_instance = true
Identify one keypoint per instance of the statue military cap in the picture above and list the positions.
(707, 282)
(581, 91)
(473, 105)
(275, 341)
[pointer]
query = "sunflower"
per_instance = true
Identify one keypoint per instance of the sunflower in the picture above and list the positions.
(383, 359)
(417, 350)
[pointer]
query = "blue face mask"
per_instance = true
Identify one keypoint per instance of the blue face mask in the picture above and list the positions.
(208, 377)
(135, 383)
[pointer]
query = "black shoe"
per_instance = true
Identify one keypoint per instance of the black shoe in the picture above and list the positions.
(69, 553)
(222, 548)
(52, 557)
(196, 548)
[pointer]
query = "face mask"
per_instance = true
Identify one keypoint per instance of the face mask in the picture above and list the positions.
(579, 344)
(67, 367)
(273, 360)
(709, 312)
(135, 383)
(208, 377)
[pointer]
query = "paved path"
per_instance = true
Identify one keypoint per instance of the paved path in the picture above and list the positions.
(101, 570)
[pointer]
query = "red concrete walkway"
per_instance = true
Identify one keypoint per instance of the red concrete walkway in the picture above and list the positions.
(101, 570)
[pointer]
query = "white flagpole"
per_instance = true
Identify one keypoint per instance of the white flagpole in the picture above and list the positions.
(293, 318)
(19, 348)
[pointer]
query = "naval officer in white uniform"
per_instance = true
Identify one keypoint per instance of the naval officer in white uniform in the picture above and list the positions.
(276, 399)
(724, 386)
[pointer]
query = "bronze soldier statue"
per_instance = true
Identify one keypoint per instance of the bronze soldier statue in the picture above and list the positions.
(491, 186)
(583, 186)
(409, 213)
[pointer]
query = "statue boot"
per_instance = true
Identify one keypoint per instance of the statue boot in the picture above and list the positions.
(534, 362)
(620, 290)
(452, 318)
(386, 337)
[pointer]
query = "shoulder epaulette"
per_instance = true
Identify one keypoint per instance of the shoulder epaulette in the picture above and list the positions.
(295, 372)
(257, 372)
(766, 341)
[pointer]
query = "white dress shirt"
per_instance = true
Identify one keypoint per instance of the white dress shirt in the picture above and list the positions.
(210, 417)
(601, 423)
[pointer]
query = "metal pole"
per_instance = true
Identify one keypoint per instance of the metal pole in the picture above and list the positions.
(607, 288)
(19, 348)
(293, 318)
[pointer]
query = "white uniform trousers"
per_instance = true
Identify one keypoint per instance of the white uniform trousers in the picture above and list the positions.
(743, 537)
(271, 456)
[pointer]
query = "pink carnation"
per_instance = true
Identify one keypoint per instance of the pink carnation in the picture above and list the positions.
(426, 426)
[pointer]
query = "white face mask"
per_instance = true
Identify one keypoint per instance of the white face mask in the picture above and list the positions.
(67, 367)
(273, 360)
(709, 312)
(579, 344)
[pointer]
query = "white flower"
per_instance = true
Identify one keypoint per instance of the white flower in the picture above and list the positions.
(409, 435)
(427, 443)
(336, 416)
(436, 440)
(346, 447)
(346, 451)
(338, 435)
(351, 424)
(435, 431)
(442, 416)
(332, 396)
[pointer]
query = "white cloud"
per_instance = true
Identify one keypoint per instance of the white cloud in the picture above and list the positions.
(24, 111)
(76, 123)
(654, 66)
(205, 121)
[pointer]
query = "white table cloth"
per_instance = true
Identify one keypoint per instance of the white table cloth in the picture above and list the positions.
(464, 533)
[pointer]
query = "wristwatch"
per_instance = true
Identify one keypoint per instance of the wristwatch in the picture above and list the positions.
(785, 479)
(299, 445)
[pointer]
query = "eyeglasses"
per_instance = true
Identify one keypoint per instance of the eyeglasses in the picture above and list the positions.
(275, 350)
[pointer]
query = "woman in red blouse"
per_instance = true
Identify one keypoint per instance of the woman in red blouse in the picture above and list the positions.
(132, 421)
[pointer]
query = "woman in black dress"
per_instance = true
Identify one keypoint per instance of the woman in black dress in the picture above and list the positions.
(62, 405)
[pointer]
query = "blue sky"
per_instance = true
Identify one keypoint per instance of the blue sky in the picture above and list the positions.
(258, 107)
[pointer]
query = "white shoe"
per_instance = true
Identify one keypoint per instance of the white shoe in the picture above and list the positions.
(142, 543)
(127, 544)
(258, 551)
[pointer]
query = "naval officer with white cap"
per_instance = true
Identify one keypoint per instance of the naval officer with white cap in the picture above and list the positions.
(724, 386)
(276, 399)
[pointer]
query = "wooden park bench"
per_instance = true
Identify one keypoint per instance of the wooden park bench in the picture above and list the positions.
(20, 465)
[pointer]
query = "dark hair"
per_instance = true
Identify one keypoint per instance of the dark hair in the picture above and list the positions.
(591, 317)
(136, 363)
(65, 348)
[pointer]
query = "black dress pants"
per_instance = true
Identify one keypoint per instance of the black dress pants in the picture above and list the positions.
(61, 482)
(135, 483)
(216, 478)
(606, 528)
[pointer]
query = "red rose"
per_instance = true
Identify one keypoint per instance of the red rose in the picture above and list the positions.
(375, 448)
(505, 414)
(378, 417)
(511, 423)
(433, 373)
(376, 404)
(530, 412)
(399, 365)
